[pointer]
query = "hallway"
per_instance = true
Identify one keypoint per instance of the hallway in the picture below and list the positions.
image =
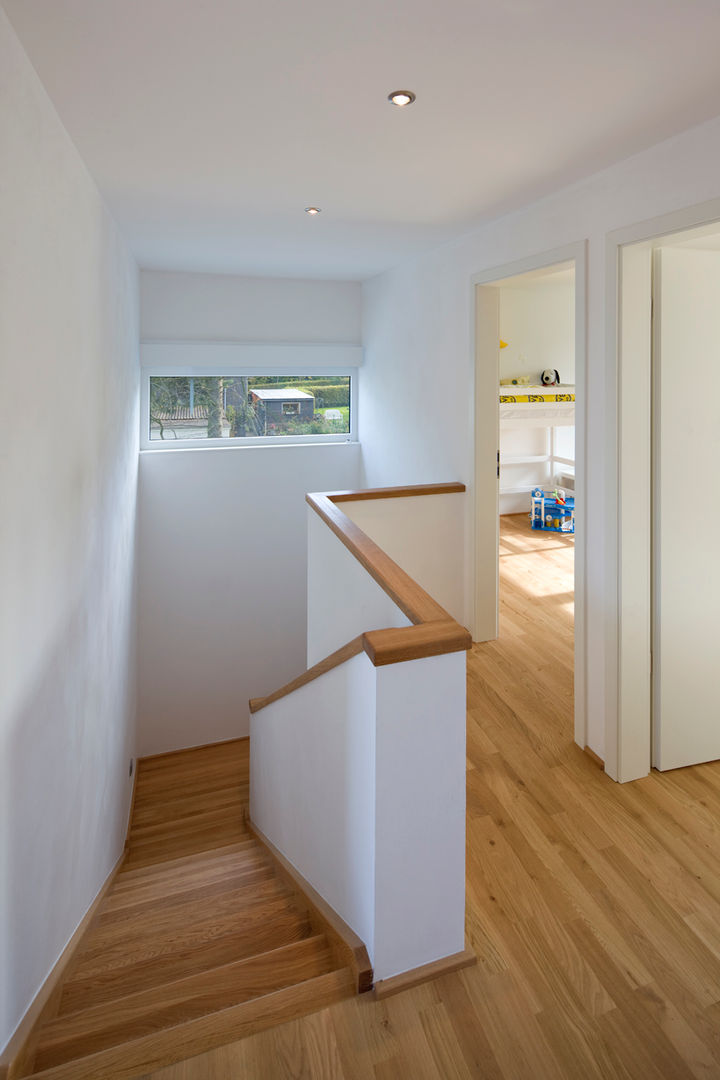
(593, 908)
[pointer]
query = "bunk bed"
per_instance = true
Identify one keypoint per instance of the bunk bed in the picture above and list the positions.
(534, 460)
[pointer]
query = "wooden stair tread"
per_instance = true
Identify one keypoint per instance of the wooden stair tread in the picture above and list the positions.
(126, 1060)
(103, 951)
(85, 988)
(184, 807)
(167, 848)
(129, 890)
(195, 859)
(178, 824)
(134, 902)
(124, 1019)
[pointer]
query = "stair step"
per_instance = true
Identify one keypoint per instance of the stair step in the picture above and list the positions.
(187, 824)
(207, 883)
(248, 845)
(190, 780)
(106, 946)
(151, 967)
(165, 1006)
(150, 811)
(126, 1060)
(233, 751)
(165, 849)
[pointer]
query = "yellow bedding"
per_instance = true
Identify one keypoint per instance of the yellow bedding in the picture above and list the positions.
(537, 393)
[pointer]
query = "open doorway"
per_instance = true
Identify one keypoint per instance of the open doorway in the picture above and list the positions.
(527, 402)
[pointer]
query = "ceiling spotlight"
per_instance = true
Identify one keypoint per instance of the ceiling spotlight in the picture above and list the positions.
(401, 97)
(313, 210)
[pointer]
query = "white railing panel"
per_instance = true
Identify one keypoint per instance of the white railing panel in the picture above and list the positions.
(312, 786)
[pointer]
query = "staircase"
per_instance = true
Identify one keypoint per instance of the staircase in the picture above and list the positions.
(201, 939)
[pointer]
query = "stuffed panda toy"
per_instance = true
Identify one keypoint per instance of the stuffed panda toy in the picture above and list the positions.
(550, 377)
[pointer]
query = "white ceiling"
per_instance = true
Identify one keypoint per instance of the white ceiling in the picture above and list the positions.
(209, 126)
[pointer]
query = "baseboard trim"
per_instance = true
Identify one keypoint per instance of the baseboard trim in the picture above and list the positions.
(407, 979)
(13, 1058)
(325, 917)
(131, 810)
(595, 757)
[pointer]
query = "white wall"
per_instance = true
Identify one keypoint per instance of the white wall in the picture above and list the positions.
(423, 534)
(68, 467)
(226, 307)
(538, 323)
(416, 406)
(222, 583)
(222, 540)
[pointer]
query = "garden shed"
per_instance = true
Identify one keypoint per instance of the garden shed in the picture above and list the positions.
(283, 403)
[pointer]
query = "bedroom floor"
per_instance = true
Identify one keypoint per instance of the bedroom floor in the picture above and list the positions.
(537, 615)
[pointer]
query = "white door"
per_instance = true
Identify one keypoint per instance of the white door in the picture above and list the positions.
(686, 541)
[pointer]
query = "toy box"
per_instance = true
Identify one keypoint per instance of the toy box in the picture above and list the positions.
(553, 511)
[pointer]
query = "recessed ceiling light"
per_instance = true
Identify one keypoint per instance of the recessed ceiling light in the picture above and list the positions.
(313, 210)
(401, 97)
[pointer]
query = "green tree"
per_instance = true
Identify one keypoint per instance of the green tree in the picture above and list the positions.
(214, 393)
(244, 419)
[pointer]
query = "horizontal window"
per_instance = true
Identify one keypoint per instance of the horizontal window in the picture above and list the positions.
(182, 409)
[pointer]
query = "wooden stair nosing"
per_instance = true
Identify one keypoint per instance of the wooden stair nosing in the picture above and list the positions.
(85, 989)
(99, 1027)
(158, 893)
(126, 1061)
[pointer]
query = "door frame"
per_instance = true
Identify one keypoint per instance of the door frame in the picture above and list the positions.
(628, 523)
(485, 428)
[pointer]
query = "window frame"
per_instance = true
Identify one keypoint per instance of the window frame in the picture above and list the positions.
(246, 371)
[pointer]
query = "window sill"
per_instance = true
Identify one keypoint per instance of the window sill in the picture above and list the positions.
(289, 445)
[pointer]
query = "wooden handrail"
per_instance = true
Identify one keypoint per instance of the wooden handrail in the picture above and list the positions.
(433, 631)
(353, 648)
(412, 600)
(395, 492)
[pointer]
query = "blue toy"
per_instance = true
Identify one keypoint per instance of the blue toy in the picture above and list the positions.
(552, 511)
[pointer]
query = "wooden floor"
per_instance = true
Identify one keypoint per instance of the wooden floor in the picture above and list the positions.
(594, 909)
